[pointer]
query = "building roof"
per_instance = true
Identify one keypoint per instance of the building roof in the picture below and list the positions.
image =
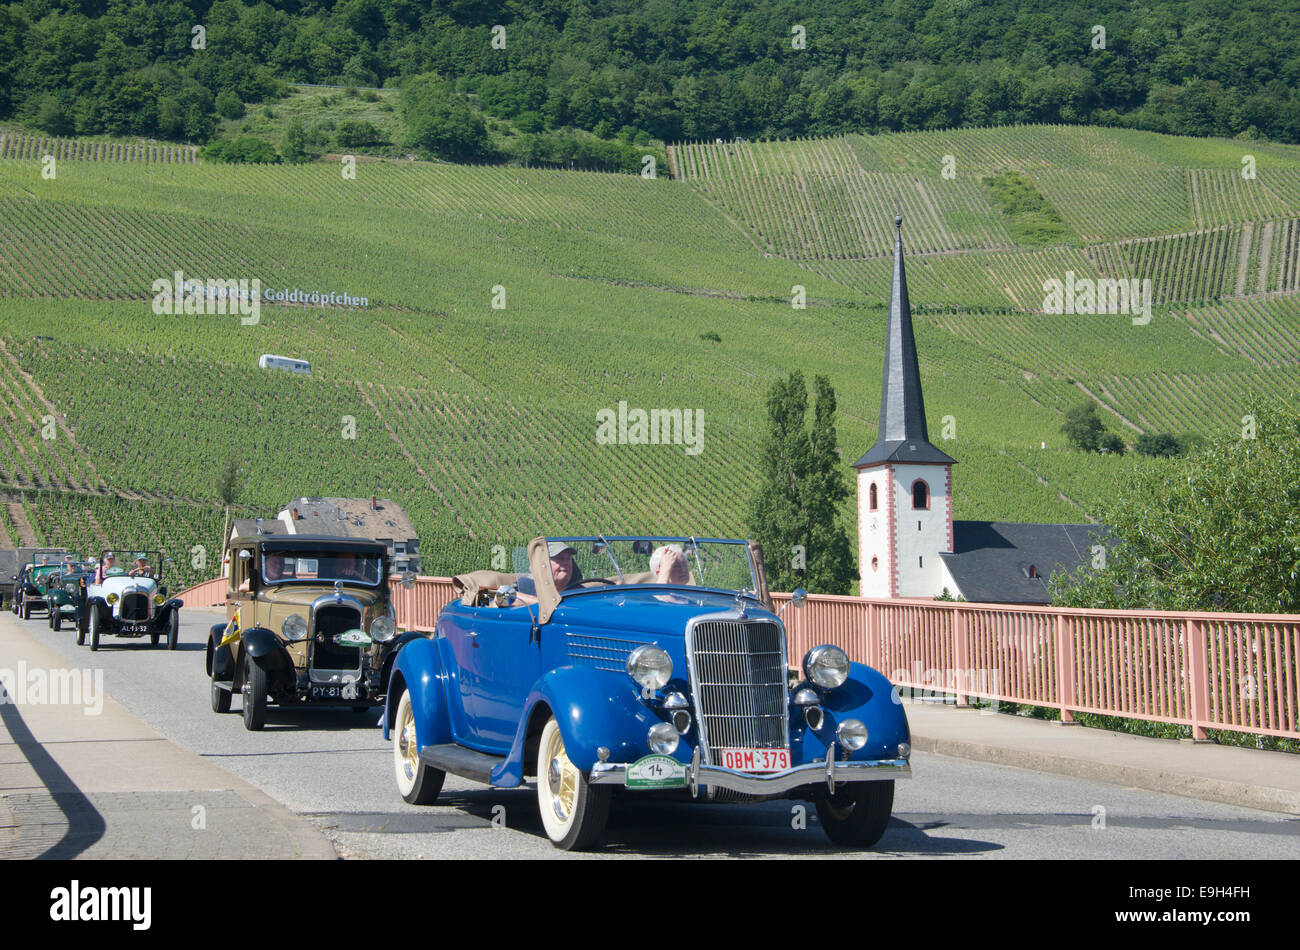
(351, 517)
(902, 435)
(990, 560)
(247, 527)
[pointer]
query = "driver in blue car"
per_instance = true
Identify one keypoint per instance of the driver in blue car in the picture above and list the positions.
(566, 573)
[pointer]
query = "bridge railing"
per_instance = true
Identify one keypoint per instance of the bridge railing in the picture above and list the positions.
(1204, 670)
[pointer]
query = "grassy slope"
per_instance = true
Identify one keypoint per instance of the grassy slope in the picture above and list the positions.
(482, 421)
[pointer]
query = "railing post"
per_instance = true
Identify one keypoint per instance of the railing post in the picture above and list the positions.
(873, 638)
(1198, 677)
(959, 654)
(1064, 668)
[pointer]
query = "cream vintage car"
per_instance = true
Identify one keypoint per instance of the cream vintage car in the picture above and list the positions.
(310, 622)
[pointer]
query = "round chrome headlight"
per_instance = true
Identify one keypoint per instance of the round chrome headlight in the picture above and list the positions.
(382, 629)
(826, 665)
(852, 734)
(650, 667)
(159, 600)
(294, 627)
(111, 599)
(663, 738)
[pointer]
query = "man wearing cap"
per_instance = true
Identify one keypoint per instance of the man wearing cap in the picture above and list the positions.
(563, 570)
(109, 562)
(142, 568)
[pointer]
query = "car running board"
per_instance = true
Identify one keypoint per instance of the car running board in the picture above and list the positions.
(461, 761)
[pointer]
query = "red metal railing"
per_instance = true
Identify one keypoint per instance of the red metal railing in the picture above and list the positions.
(1203, 670)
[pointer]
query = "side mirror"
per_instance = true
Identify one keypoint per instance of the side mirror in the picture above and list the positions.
(505, 595)
(798, 598)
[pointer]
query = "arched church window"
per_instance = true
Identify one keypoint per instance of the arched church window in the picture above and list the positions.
(920, 494)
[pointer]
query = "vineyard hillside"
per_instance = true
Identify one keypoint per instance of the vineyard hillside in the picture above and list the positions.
(498, 311)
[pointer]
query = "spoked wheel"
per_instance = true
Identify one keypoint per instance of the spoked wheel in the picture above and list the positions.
(856, 816)
(255, 689)
(418, 783)
(573, 811)
(94, 629)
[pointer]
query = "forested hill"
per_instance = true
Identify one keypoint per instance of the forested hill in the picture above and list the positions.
(670, 70)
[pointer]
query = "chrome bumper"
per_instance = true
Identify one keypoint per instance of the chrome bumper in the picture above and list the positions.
(830, 772)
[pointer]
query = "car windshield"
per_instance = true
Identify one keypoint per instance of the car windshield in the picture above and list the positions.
(135, 562)
(321, 567)
(648, 559)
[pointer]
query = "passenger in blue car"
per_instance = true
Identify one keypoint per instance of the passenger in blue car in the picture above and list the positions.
(566, 573)
(668, 564)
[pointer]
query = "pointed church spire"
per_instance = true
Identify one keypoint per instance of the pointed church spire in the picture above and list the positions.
(901, 435)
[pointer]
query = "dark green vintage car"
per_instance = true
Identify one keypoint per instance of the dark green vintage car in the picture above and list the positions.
(66, 595)
(32, 581)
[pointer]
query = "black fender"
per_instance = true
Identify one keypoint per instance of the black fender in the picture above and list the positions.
(220, 659)
(267, 651)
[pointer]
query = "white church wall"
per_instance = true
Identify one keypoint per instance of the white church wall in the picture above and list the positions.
(875, 534)
(922, 533)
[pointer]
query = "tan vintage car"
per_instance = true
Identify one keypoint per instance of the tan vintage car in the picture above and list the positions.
(310, 623)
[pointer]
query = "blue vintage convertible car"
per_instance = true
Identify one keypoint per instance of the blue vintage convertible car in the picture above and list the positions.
(646, 664)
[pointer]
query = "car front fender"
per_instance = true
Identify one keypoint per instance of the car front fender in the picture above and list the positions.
(419, 671)
(868, 696)
(593, 708)
(220, 659)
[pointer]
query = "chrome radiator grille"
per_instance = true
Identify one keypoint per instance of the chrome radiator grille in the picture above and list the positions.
(740, 683)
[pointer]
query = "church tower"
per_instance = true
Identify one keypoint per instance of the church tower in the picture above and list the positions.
(904, 482)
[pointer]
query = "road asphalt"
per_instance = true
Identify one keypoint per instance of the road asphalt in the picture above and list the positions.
(110, 784)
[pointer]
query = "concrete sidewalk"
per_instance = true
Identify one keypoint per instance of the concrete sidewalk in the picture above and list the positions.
(74, 785)
(1248, 777)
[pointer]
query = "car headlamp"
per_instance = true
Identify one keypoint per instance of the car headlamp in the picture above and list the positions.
(852, 734)
(827, 666)
(159, 600)
(111, 599)
(383, 628)
(294, 627)
(663, 738)
(650, 666)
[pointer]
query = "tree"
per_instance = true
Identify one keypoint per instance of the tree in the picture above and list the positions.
(1083, 427)
(227, 492)
(794, 514)
(294, 143)
(229, 105)
(1219, 530)
(1159, 445)
(1111, 443)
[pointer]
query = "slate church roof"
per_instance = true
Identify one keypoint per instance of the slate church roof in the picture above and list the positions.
(901, 435)
(1009, 562)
